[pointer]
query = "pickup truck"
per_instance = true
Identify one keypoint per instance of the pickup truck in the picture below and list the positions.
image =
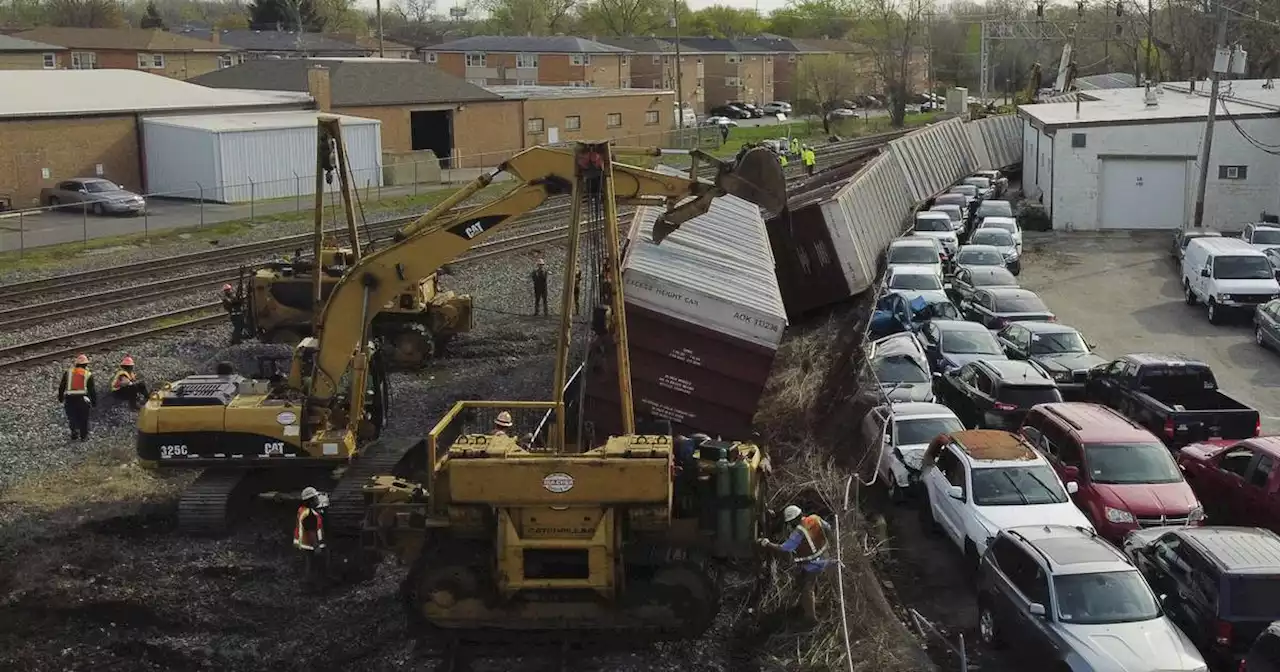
(1238, 481)
(1173, 396)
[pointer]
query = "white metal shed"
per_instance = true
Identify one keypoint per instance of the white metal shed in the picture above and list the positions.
(235, 158)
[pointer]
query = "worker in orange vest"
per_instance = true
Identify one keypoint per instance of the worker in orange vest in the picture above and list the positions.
(126, 386)
(807, 545)
(78, 395)
(308, 534)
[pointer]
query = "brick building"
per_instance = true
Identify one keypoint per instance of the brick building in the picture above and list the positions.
(734, 70)
(86, 123)
(533, 61)
(18, 54)
(154, 51)
(551, 114)
(275, 44)
(653, 66)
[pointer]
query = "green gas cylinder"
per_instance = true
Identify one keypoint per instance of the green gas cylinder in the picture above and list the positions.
(743, 511)
(724, 499)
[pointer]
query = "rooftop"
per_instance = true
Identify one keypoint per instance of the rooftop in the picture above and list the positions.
(555, 44)
(993, 445)
(1099, 424)
(514, 92)
(959, 325)
(353, 81)
(124, 39)
(1243, 549)
(252, 121)
(1066, 546)
(276, 40)
(1128, 106)
(90, 92)
(646, 45)
(11, 43)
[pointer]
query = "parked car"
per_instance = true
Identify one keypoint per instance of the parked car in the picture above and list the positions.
(1264, 654)
(978, 482)
(978, 256)
(913, 281)
(970, 279)
(756, 112)
(1261, 236)
(1069, 600)
(990, 208)
(901, 367)
(955, 212)
(995, 394)
(1226, 275)
(719, 121)
(1127, 478)
(1182, 237)
(982, 184)
(1001, 240)
(777, 107)
(1008, 224)
(1220, 585)
(900, 433)
(996, 307)
(1266, 324)
(841, 113)
(1058, 349)
(937, 225)
(1273, 256)
(730, 111)
(950, 344)
(101, 197)
(959, 200)
(896, 312)
(998, 181)
(1173, 396)
(1237, 481)
(969, 192)
(916, 251)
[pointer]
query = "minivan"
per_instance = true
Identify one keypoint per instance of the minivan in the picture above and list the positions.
(1227, 275)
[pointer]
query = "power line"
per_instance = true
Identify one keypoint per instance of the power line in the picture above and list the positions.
(1273, 150)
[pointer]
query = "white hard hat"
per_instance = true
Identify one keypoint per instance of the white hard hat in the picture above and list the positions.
(791, 513)
(309, 492)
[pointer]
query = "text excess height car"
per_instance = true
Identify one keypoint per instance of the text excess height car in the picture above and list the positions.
(980, 481)
(1069, 601)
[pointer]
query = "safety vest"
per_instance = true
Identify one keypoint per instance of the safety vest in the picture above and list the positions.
(782, 158)
(808, 157)
(815, 539)
(795, 146)
(77, 381)
(303, 539)
(122, 379)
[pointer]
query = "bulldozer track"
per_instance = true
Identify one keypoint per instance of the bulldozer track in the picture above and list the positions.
(345, 517)
(208, 507)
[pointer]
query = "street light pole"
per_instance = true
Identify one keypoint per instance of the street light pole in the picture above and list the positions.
(675, 23)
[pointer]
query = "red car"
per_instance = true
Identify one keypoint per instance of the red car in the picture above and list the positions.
(1238, 480)
(1127, 478)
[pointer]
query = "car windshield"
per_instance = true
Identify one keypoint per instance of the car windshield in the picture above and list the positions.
(1131, 463)
(100, 187)
(1006, 224)
(966, 190)
(979, 182)
(996, 237)
(1266, 237)
(1105, 597)
(1242, 268)
(915, 281)
(912, 254)
(998, 277)
(1026, 396)
(933, 224)
(1014, 486)
(899, 369)
(950, 199)
(972, 257)
(1170, 382)
(1255, 597)
(923, 430)
(969, 343)
(995, 209)
(1057, 343)
(1020, 304)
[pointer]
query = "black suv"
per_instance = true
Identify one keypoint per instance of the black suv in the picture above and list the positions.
(1221, 585)
(730, 111)
(1058, 349)
(995, 394)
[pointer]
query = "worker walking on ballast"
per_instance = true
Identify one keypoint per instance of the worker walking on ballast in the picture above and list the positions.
(809, 159)
(126, 386)
(308, 535)
(808, 545)
(234, 305)
(539, 277)
(78, 395)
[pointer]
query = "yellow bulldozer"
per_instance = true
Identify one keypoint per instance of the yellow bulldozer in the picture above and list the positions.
(549, 530)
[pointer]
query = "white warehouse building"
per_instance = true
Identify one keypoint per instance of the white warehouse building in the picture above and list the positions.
(235, 158)
(1121, 163)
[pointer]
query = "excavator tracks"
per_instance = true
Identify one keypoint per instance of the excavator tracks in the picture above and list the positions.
(211, 504)
(346, 502)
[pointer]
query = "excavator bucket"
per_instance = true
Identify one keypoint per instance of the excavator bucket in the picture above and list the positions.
(756, 176)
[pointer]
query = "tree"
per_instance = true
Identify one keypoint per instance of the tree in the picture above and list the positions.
(824, 79)
(890, 30)
(297, 15)
(620, 18)
(529, 17)
(152, 18)
(725, 21)
(415, 11)
(814, 19)
(84, 13)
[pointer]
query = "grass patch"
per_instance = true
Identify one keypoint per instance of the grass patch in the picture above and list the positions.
(110, 476)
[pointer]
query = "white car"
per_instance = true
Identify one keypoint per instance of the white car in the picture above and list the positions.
(916, 251)
(933, 224)
(1227, 275)
(978, 482)
(992, 208)
(1009, 224)
(983, 185)
(1261, 236)
(720, 121)
(998, 181)
(903, 432)
(955, 212)
(914, 281)
(777, 107)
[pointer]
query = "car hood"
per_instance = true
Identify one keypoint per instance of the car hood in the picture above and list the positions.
(961, 360)
(996, 518)
(1147, 645)
(912, 456)
(1258, 286)
(1149, 500)
(930, 296)
(1069, 361)
(908, 391)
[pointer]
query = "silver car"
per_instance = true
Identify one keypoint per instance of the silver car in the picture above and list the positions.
(1003, 241)
(1074, 602)
(100, 196)
(902, 432)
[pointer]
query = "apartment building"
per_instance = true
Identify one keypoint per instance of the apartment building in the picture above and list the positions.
(733, 70)
(155, 51)
(533, 61)
(654, 66)
(16, 54)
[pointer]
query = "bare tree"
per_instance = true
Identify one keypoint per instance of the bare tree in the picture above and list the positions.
(84, 13)
(891, 30)
(620, 18)
(415, 11)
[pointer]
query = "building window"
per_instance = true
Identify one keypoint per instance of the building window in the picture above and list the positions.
(150, 61)
(733, 58)
(528, 82)
(50, 61)
(573, 123)
(613, 120)
(651, 117)
(83, 60)
(1077, 139)
(657, 60)
(526, 60)
(579, 59)
(226, 61)
(732, 82)
(432, 57)
(1233, 172)
(533, 126)
(475, 60)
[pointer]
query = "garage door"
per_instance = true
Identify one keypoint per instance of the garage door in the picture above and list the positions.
(1143, 194)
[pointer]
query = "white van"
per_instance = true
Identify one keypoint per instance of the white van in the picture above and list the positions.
(690, 117)
(1227, 275)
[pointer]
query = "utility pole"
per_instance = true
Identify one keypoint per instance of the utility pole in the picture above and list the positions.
(1213, 117)
(377, 8)
(1150, 21)
(675, 23)
(928, 36)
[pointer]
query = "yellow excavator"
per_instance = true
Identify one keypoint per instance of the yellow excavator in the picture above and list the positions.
(551, 530)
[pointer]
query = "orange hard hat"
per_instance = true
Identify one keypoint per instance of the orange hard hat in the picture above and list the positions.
(127, 361)
(82, 359)
(504, 419)
(226, 288)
